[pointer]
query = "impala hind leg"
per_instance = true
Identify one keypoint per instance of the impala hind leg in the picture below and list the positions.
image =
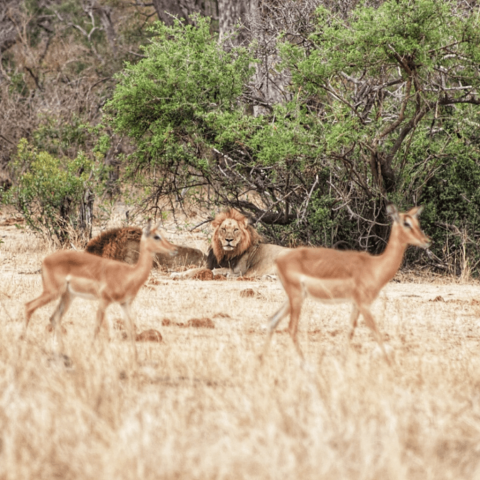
(370, 322)
(56, 318)
(353, 322)
(130, 328)
(30, 307)
(100, 317)
(295, 310)
(274, 321)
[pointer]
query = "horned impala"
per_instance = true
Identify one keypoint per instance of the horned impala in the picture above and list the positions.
(69, 274)
(333, 276)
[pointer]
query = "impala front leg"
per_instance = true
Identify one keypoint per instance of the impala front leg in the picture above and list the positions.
(130, 328)
(369, 320)
(56, 318)
(353, 322)
(274, 321)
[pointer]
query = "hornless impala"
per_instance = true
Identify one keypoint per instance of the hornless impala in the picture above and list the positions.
(68, 274)
(332, 276)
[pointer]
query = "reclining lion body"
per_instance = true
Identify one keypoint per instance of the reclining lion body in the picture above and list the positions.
(237, 249)
(257, 260)
(124, 244)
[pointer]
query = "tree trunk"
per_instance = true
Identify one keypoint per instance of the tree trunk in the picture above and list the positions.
(231, 13)
(167, 9)
(86, 215)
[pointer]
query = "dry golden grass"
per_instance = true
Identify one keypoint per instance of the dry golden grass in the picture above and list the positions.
(199, 405)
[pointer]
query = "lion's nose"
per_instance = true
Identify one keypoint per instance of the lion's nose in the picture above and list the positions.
(229, 240)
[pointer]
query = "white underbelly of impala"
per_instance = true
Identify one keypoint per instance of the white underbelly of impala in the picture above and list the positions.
(83, 287)
(327, 290)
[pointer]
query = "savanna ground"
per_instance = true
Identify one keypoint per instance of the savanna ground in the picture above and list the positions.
(199, 406)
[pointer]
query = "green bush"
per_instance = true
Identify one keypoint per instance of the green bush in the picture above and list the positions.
(53, 193)
(161, 101)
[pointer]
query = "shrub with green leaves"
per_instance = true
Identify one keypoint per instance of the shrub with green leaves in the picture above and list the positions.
(161, 101)
(51, 193)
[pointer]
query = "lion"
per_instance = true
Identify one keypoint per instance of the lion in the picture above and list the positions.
(124, 244)
(237, 249)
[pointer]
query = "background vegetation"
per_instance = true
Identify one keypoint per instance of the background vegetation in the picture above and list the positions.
(309, 115)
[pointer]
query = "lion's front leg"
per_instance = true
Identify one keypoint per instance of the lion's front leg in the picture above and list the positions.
(228, 272)
(239, 271)
(188, 274)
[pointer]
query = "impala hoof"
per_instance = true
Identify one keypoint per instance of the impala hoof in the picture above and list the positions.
(388, 355)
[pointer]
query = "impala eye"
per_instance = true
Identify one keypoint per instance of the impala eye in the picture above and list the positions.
(157, 237)
(407, 224)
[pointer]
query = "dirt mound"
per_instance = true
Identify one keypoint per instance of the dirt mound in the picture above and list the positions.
(203, 275)
(201, 323)
(149, 336)
(207, 275)
(193, 322)
(248, 292)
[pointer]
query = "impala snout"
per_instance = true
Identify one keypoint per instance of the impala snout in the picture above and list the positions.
(426, 243)
(422, 242)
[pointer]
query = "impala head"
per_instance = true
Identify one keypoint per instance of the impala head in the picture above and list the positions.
(156, 240)
(411, 232)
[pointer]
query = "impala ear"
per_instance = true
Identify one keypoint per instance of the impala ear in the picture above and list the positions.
(393, 212)
(415, 211)
(147, 229)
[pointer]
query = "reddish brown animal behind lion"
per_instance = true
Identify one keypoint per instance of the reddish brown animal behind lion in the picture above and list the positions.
(124, 244)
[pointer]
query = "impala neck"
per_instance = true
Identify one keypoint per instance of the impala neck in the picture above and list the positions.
(145, 262)
(391, 259)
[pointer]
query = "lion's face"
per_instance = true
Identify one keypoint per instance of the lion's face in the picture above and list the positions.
(230, 234)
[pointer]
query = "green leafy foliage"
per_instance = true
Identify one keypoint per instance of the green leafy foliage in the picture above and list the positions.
(164, 97)
(395, 90)
(49, 190)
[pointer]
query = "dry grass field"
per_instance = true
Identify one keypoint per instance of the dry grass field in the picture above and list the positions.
(199, 405)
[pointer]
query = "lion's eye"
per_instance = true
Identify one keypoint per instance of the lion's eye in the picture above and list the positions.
(236, 230)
